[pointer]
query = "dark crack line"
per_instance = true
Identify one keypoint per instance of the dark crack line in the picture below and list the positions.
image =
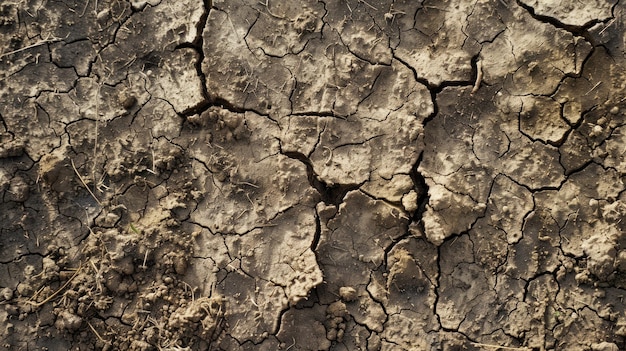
(318, 234)
(198, 46)
(578, 31)
(331, 194)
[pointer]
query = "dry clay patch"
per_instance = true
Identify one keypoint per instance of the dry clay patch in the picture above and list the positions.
(312, 175)
(491, 159)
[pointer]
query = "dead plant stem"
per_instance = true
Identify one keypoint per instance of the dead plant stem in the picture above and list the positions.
(95, 142)
(39, 304)
(84, 184)
(42, 42)
(500, 347)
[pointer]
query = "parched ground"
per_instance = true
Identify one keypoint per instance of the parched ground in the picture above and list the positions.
(312, 175)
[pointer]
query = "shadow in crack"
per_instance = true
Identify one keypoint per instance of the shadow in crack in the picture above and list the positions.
(331, 194)
(422, 192)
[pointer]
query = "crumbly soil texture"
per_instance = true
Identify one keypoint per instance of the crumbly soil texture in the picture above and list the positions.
(312, 175)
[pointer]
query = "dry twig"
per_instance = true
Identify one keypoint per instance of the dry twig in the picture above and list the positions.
(39, 304)
(501, 347)
(479, 76)
(84, 184)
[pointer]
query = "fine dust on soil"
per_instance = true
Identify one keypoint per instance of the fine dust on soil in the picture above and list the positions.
(312, 175)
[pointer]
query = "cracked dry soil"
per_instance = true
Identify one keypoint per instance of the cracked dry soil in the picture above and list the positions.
(312, 175)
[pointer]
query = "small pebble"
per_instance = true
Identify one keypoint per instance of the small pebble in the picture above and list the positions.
(348, 294)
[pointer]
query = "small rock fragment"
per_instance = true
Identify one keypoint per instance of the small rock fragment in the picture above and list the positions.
(348, 294)
(409, 201)
(6, 294)
(68, 321)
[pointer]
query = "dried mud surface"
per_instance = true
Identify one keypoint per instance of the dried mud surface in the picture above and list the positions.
(312, 175)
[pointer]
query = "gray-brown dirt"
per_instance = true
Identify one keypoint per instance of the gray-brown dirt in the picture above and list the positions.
(312, 175)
